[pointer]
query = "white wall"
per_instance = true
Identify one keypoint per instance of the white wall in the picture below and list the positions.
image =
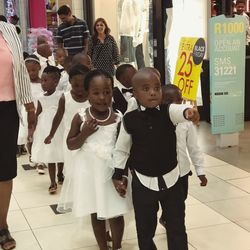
(1, 8)
(108, 10)
(77, 8)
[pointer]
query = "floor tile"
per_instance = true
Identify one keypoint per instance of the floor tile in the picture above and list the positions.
(243, 183)
(201, 216)
(13, 204)
(244, 224)
(228, 172)
(234, 209)
(36, 198)
(192, 201)
(220, 237)
(17, 221)
(68, 236)
(216, 191)
(194, 180)
(45, 217)
(25, 240)
(210, 161)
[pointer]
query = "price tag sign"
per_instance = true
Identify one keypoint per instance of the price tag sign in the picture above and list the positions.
(227, 39)
(188, 67)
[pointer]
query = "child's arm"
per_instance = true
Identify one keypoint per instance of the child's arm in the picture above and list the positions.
(57, 120)
(182, 112)
(32, 130)
(196, 154)
(76, 136)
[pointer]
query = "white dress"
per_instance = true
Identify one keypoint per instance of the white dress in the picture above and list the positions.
(36, 92)
(90, 189)
(71, 108)
(53, 152)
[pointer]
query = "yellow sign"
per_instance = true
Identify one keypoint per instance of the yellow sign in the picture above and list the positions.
(188, 66)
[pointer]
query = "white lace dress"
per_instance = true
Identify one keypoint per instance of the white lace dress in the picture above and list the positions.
(90, 188)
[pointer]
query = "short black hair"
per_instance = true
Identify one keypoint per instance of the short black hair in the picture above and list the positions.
(168, 93)
(92, 74)
(78, 69)
(108, 76)
(53, 70)
(15, 17)
(121, 69)
(240, 1)
(64, 10)
(3, 18)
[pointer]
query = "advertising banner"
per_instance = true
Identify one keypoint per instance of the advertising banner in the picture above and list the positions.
(227, 38)
(188, 66)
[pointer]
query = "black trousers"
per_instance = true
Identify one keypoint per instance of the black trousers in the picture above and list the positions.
(146, 205)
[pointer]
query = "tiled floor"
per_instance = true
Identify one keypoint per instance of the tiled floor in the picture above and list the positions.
(217, 216)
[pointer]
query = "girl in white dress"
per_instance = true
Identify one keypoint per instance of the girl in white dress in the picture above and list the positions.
(92, 136)
(69, 104)
(46, 109)
(33, 66)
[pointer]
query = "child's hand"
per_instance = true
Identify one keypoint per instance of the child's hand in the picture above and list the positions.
(193, 115)
(203, 180)
(89, 127)
(48, 139)
(120, 186)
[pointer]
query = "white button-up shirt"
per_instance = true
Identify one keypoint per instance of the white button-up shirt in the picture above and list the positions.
(124, 142)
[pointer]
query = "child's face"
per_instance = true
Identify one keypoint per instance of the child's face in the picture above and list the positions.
(33, 70)
(77, 85)
(126, 78)
(148, 91)
(100, 94)
(48, 82)
(60, 56)
(240, 7)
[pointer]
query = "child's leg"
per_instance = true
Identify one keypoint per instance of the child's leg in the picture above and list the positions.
(99, 231)
(173, 205)
(146, 205)
(60, 176)
(117, 229)
(52, 176)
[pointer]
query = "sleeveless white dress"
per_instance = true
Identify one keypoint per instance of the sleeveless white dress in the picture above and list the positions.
(53, 152)
(36, 92)
(90, 189)
(71, 108)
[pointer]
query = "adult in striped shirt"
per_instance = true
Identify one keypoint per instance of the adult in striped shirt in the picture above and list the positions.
(72, 33)
(14, 93)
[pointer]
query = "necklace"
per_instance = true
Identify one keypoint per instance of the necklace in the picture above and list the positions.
(99, 120)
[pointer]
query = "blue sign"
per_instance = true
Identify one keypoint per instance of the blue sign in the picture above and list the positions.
(227, 38)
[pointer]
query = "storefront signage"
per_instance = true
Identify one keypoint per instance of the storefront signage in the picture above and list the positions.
(188, 66)
(227, 38)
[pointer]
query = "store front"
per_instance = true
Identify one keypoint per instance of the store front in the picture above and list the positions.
(139, 27)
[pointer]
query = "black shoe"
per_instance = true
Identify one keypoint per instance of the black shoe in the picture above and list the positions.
(60, 178)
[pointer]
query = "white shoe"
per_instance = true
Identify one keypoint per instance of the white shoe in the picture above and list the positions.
(40, 169)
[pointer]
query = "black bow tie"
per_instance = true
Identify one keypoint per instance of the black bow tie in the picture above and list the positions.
(130, 90)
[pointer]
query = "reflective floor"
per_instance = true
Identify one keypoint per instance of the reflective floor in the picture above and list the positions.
(217, 216)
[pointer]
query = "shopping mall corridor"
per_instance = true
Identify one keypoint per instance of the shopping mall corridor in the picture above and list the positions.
(217, 216)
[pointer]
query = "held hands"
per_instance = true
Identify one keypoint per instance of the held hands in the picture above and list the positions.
(203, 180)
(89, 127)
(121, 186)
(193, 115)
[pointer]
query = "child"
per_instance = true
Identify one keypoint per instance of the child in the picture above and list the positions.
(46, 109)
(82, 58)
(92, 136)
(60, 56)
(32, 64)
(69, 103)
(123, 92)
(147, 136)
(186, 141)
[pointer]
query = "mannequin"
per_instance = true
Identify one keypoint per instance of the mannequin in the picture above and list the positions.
(167, 24)
(132, 27)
